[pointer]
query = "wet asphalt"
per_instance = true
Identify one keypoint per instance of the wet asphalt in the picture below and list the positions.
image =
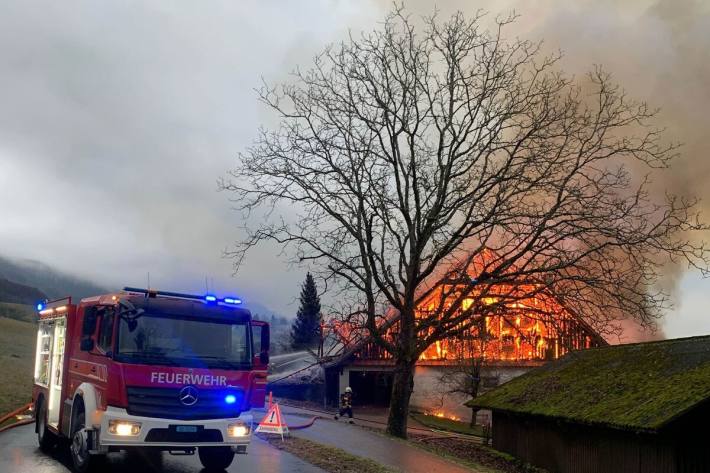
(368, 442)
(396, 454)
(19, 453)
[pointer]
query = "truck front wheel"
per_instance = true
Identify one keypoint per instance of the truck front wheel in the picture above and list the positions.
(81, 458)
(216, 458)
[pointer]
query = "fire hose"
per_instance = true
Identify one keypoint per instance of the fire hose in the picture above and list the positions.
(28, 406)
(306, 425)
(12, 414)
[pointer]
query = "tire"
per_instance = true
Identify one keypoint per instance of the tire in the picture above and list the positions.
(82, 460)
(216, 458)
(45, 438)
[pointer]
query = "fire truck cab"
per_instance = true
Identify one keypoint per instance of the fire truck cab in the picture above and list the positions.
(149, 371)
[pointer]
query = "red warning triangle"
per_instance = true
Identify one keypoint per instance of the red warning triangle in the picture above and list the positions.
(273, 417)
(273, 422)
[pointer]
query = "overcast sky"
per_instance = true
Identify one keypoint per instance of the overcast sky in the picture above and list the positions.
(117, 118)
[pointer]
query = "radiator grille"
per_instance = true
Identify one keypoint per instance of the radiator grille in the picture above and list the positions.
(165, 403)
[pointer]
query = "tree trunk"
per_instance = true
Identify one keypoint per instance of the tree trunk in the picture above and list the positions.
(402, 387)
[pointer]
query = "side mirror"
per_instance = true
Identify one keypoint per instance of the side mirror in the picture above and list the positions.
(262, 339)
(265, 342)
(87, 344)
(90, 316)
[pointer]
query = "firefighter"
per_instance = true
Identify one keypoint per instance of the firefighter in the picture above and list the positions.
(346, 404)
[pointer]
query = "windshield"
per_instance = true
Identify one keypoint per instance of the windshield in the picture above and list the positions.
(183, 342)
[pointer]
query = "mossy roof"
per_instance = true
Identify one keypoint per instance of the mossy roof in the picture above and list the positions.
(640, 386)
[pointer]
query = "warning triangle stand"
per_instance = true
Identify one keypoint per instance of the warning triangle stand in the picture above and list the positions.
(273, 422)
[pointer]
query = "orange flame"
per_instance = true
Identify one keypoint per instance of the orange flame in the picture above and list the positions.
(442, 415)
(527, 329)
(519, 323)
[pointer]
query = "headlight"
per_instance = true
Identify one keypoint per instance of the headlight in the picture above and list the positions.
(124, 428)
(238, 430)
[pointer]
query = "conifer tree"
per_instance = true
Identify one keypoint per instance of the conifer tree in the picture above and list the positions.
(305, 330)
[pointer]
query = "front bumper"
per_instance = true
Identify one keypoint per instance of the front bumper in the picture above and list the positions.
(148, 424)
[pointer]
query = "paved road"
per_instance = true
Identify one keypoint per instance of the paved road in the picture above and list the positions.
(366, 443)
(19, 454)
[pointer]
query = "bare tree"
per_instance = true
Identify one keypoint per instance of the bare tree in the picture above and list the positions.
(412, 150)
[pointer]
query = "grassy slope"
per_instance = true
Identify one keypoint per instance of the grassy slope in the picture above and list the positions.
(11, 291)
(477, 457)
(22, 312)
(442, 423)
(17, 347)
(331, 459)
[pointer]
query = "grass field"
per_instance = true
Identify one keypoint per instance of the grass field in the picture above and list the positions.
(17, 347)
(330, 459)
(22, 312)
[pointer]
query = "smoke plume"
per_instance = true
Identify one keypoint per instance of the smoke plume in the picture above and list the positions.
(657, 50)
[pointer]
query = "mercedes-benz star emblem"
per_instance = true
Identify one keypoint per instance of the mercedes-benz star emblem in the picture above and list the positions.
(188, 395)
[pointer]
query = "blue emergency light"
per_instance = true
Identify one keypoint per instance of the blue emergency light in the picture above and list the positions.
(231, 300)
(40, 306)
(230, 399)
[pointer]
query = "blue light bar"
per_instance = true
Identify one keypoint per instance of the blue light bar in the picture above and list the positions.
(40, 306)
(155, 293)
(230, 399)
(205, 298)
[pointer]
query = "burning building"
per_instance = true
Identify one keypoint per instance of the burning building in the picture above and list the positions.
(509, 330)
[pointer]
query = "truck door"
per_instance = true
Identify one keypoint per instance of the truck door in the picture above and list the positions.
(260, 351)
(89, 363)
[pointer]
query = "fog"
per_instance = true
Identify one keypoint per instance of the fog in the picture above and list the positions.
(118, 118)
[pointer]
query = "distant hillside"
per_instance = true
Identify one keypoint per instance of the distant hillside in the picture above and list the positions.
(19, 293)
(21, 312)
(49, 281)
(261, 310)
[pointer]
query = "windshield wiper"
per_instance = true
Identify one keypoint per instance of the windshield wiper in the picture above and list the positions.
(128, 311)
(223, 361)
(148, 356)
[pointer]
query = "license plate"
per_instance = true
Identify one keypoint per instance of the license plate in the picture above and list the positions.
(186, 428)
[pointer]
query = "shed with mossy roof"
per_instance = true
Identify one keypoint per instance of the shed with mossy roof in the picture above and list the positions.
(641, 407)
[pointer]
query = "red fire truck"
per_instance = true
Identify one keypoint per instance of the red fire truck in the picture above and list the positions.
(149, 371)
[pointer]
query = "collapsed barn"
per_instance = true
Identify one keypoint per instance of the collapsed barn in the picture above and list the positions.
(520, 334)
